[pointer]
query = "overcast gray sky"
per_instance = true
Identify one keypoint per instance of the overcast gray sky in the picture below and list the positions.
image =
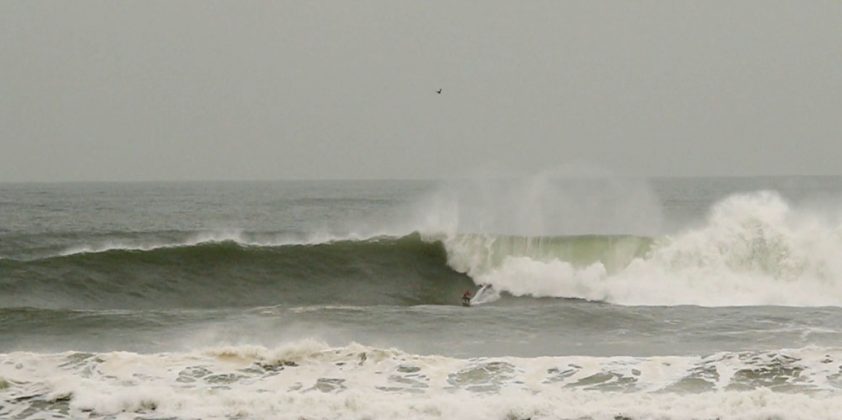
(346, 89)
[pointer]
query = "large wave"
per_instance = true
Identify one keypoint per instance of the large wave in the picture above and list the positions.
(752, 249)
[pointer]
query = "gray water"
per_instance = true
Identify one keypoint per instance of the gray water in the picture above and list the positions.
(172, 268)
(41, 221)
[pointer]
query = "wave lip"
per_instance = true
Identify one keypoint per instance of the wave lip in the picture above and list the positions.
(212, 237)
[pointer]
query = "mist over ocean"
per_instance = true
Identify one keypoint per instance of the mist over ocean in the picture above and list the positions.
(606, 298)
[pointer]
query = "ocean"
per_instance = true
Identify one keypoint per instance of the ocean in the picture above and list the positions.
(594, 298)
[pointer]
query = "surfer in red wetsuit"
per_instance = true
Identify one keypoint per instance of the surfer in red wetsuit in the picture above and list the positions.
(466, 298)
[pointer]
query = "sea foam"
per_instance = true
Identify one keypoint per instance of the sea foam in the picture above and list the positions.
(312, 380)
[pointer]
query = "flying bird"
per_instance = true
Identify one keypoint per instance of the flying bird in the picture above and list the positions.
(439, 91)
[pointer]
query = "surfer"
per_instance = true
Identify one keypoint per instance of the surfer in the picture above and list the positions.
(466, 298)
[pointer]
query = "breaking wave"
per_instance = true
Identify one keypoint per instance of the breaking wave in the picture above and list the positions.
(753, 249)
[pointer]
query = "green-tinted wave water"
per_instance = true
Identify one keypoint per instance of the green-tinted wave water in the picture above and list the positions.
(400, 271)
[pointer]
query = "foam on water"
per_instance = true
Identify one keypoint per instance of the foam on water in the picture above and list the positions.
(308, 379)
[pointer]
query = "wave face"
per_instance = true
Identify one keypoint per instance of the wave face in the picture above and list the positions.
(398, 271)
(311, 380)
(753, 249)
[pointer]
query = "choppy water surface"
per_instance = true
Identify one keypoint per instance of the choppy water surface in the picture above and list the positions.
(687, 298)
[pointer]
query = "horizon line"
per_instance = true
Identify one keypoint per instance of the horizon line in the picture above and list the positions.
(291, 179)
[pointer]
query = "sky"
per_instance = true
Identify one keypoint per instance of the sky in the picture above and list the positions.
(191, 90)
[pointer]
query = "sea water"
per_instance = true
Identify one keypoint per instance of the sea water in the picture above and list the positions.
(606, 298)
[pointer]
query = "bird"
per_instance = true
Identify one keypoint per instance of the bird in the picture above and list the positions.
(439, 91)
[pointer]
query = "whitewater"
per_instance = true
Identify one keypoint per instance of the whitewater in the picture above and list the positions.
(606, 298)
(752, 249)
